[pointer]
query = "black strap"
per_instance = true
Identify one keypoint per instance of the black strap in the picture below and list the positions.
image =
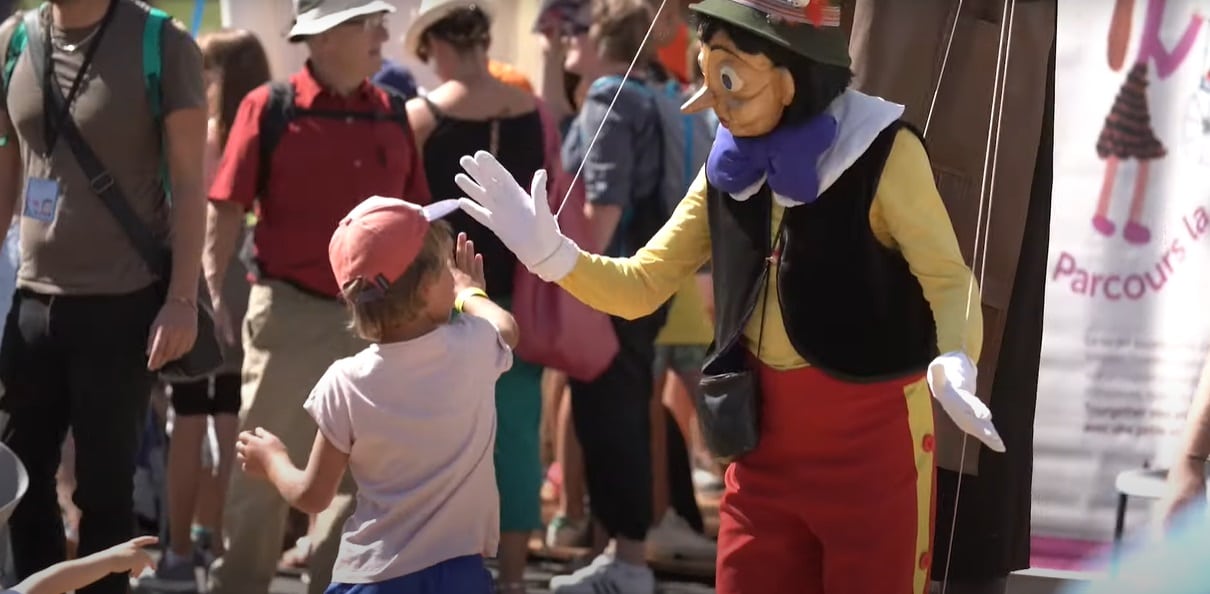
(438, 115)
(52, 119)
(279, 110)
(102, 183)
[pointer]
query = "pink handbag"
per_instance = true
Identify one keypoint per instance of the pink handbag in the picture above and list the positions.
(557, 330)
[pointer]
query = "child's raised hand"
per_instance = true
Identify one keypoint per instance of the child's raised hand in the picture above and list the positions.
(129, 557)
(255, 449)
(468, 266)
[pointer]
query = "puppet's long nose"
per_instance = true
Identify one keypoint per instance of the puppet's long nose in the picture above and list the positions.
(702, 100)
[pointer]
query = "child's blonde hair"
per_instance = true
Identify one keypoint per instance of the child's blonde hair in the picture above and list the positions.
(404, 299)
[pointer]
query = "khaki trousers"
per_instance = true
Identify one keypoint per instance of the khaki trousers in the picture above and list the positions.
(290, 338)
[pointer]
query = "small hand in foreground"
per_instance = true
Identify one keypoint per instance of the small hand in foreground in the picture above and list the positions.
(951, 378)
(172, 334)
(1186, 490)
(467, 266)
(256, 449)
(129, 557)
(521, 220)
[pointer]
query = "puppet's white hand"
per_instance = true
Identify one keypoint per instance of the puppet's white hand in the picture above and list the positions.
(951, 378)
(521, 220)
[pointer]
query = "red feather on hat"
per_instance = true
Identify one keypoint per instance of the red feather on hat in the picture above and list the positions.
(815, 12)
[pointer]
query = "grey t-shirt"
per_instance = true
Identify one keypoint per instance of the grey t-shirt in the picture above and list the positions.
(73, 245)
(624, 165)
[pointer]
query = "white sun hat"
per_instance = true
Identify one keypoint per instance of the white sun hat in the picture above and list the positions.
(432, 11)
(312, 17)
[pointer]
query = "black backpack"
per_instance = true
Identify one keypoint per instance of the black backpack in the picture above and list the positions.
(280, 110)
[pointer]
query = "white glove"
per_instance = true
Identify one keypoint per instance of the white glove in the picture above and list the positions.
(951, 378)
(522, 221)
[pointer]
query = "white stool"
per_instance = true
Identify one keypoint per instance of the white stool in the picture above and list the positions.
(13, 482)
(1147, 483)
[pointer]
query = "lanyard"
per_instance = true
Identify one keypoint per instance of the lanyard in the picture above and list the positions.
(51, 124)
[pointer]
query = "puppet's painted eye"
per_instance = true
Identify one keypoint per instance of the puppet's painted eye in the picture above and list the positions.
(731, 81)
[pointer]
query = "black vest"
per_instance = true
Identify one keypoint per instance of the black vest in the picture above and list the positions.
(850, 305)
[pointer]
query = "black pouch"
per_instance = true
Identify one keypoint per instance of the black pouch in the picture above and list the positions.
(729, 407)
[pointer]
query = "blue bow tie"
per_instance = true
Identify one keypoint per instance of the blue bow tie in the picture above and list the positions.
(788, 157)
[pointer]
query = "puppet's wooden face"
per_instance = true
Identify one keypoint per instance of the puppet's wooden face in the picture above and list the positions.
(747, 91)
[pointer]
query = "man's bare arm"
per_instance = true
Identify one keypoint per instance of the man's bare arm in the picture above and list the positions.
(223, 222)
(186, 137)
(11, 171)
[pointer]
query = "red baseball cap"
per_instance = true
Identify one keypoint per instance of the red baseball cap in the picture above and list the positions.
(380, 238)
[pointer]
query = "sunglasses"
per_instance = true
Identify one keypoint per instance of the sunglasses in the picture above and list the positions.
(368, 23)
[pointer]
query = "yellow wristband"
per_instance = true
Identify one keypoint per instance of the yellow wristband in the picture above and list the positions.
(465, 294)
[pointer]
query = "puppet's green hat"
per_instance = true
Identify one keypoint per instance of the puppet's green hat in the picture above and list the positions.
(810, 28)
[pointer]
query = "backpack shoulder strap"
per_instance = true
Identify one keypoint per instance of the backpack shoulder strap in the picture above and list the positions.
(398, 105)
(16, 45)
(153, 68)
(153, 59)
(279, 111)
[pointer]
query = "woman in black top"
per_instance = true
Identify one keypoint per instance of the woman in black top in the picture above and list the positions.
(468, 112)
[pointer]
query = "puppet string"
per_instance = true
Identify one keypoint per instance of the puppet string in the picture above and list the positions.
(987, 191)
(945, 58)
(625, 77)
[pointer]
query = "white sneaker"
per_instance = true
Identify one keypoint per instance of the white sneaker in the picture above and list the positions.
(704, 480)
(673, 538)
(606, 575)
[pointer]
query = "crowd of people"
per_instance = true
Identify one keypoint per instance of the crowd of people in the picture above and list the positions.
(257, 174)
(368, 256)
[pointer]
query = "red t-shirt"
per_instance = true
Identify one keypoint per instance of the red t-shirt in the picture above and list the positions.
(321, 169)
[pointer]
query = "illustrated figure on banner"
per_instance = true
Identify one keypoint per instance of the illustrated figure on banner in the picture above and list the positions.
(1128, 133)
(1197, 116)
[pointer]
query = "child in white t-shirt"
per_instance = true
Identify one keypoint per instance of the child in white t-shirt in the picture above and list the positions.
(413, 416)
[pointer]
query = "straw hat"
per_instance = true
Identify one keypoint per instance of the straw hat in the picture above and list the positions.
(432, 11)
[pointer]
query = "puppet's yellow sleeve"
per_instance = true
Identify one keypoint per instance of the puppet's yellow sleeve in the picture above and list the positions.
(636, 286)
(909, 212)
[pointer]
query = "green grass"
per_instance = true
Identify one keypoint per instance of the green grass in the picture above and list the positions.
(182, 10)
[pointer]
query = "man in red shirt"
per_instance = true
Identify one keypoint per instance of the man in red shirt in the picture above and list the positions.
(330, 158)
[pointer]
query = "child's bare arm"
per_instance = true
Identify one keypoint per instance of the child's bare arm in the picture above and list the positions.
(310, 490)
(468, 279)
(128, 557)
(498, 316)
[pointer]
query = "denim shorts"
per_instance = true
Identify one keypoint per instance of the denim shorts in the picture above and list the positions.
(460, 575)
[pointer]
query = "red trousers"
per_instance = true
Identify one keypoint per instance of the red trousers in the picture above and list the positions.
(838, 496)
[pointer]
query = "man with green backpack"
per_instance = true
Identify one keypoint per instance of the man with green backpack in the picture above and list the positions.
(104, 103)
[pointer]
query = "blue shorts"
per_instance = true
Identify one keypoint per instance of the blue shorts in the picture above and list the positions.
(460, 575)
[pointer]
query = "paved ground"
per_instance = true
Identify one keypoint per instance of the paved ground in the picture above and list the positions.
(537, 577)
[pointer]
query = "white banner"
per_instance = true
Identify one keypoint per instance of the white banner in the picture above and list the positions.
(1127, 323)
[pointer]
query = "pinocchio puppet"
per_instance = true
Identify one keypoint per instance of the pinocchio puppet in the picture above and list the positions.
(841, 298)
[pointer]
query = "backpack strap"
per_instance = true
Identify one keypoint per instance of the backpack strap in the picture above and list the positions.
(399, 107)
(153, 68)
(279, 111)
(16, 45)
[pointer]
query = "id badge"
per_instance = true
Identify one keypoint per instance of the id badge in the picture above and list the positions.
(41, 199)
